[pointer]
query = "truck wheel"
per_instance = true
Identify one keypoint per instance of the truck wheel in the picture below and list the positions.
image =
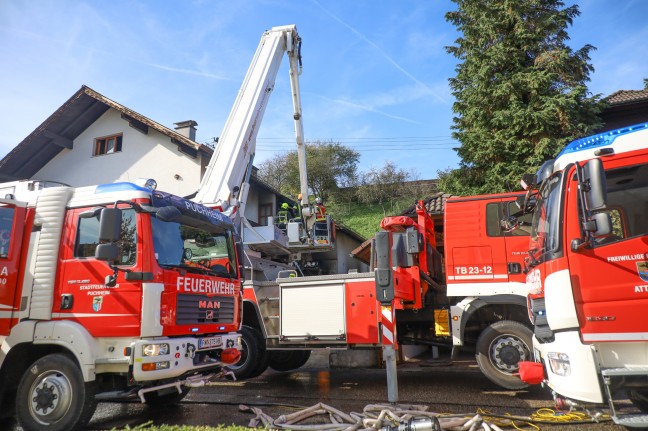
(166, 397)
(500, 348)
(639, 399)
(254, 358)
(52, 394)
(287, 360)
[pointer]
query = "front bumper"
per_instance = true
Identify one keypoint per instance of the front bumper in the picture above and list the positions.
(182, 356)
(582, 383)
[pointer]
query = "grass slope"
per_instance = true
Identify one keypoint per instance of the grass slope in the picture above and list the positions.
(365, 218)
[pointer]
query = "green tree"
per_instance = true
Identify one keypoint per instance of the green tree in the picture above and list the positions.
(520, 91)
(275, 172)
(386, 186)
(330, 165)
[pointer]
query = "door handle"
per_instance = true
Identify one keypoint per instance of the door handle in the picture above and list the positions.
(67, 300)
(514, 268)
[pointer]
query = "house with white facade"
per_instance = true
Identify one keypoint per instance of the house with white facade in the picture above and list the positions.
(92, 139)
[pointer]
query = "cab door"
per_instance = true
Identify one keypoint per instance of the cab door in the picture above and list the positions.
(469, 249)
(516, 238)
(12, 223)
(610, 277)
(84, 295)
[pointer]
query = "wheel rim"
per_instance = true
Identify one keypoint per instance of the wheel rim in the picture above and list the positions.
(50, 397)
(506, 351)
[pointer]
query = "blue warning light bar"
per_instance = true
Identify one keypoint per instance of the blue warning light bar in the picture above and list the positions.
(601, 140)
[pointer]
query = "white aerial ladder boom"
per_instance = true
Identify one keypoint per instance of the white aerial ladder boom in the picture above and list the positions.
(226, 173)
(226, 180)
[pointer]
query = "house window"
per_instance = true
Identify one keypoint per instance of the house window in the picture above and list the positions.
(265, 212)
(108, 145)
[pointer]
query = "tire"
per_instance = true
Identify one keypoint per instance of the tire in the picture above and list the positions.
(499, 349)
(288, 360)
(166, 397)
(52, 395)
(254, 358)
(639, 399)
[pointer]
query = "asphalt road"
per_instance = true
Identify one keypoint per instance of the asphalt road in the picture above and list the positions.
(456, 388)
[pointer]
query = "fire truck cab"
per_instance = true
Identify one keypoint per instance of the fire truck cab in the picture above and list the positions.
(101, 298)
(587, 272)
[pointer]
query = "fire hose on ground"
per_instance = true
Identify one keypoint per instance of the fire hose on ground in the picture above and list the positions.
(410, 417)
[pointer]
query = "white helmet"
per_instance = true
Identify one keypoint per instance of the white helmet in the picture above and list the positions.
(318, 201)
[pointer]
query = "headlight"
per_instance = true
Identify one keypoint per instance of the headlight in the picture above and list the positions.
(155, 349)
(559, 363)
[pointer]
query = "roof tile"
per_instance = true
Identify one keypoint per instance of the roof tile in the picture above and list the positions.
(627, 96)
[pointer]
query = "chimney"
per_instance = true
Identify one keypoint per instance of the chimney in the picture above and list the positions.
(187, 129)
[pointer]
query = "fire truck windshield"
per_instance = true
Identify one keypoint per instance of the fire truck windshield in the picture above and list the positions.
(194, 249)
(545, 227)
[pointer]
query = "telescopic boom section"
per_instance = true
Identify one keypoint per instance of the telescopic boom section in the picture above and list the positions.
(295, 69)
(225, 183)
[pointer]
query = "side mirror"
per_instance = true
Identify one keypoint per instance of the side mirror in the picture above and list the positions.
(107, 252)
(544, 172)
(594, 184)
(527, 181)
(603, 224)
(110, 224)
(240, 254)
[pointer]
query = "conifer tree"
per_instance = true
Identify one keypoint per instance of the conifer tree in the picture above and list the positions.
(520, 91)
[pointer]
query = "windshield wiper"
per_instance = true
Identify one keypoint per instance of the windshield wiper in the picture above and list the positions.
(220, 272)
(188, 268)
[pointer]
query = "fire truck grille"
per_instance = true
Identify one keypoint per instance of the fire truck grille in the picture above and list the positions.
(202, 309)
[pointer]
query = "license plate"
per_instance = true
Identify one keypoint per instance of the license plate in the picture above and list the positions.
(209, 342)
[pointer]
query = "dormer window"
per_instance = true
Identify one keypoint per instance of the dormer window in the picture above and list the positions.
(108, 145)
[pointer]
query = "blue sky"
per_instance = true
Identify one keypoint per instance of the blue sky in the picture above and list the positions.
(375, 73)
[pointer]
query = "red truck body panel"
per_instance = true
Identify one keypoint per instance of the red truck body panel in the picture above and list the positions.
(361, 312)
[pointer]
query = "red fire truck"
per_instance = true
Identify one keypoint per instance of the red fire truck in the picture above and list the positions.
(587, 273)
(100, 299)
(482, 292)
